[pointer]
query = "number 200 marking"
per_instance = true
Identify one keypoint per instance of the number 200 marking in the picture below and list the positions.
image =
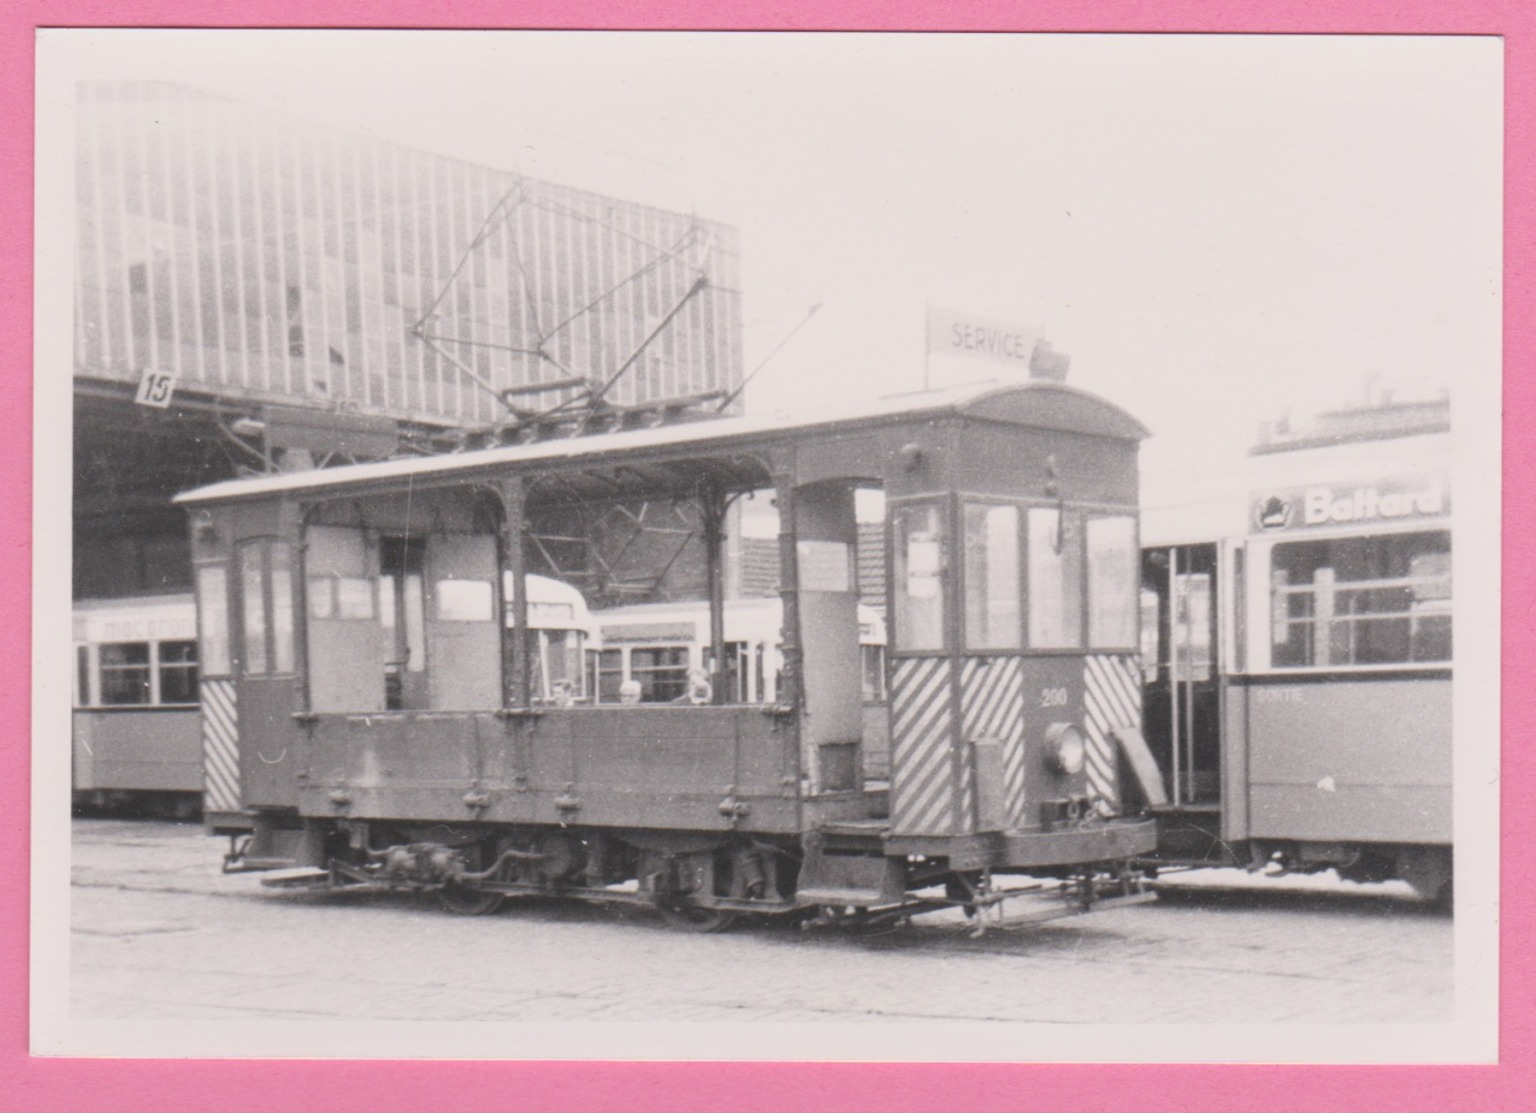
(1053, 696)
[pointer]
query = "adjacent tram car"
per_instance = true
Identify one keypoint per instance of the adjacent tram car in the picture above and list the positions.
(1012, 562)
(1297, 660)
(659, 645)
(136, 738)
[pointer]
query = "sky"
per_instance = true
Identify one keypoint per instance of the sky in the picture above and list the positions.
(1217, 229)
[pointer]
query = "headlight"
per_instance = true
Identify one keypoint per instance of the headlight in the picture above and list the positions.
(1065, 748)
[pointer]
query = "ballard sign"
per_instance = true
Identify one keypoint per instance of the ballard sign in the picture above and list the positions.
(1328, 505)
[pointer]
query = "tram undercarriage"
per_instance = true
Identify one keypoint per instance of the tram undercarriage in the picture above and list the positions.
(701, 882)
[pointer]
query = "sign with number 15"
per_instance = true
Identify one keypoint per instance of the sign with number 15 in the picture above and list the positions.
(155, 388)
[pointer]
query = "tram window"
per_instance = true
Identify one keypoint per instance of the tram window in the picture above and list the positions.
(464, 599)
(213, 619)
(1151, 636)
(874, 672)
(992, 576)
(556, 657)
(178, 672)
(610, 674)
(267, 596)
(1372, 600)
(919, 578)
(1055, 580)
(1112, 578)
(282, 609)
(661, 672)
(736, 657)
(337, 565)
(1191, 623)
(255, 603)
(333, 597)
(125, 674)
(82, 675)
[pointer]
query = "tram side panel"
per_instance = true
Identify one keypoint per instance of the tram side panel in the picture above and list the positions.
(137, 750)
(1349, 760)
(439, 748)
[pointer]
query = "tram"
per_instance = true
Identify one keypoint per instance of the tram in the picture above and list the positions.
(139, 737)
(1012, 596)
(1297, 660)
(136, 740)
(660, 645)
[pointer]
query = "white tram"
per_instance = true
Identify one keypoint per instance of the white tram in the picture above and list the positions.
(659, 645)
(135, 736)
(140, 738)
(1297, 656)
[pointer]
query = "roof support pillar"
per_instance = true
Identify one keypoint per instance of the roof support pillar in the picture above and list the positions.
(514, 561)
(712, 502)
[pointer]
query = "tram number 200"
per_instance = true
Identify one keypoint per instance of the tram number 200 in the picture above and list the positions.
(1053, 696)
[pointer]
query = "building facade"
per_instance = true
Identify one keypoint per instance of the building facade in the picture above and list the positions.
(339, 295)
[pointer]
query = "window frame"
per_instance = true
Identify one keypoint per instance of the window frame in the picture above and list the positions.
(632, 672)
(943, 504)
(1017, 646)
(213, 626)
(104, 670)
(1260, 596)
(278, 642)
(1074, 517)
(191, 666)
(1088, 514)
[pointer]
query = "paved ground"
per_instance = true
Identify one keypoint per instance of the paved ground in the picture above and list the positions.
(159, 934)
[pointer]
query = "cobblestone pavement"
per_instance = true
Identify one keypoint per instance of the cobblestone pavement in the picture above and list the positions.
(159, 933)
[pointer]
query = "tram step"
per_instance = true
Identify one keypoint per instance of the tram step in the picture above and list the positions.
(849, 878)
(1191, 833)
(295, 878)
(857, 827)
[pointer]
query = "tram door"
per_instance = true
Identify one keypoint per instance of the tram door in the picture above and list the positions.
(1181, 699)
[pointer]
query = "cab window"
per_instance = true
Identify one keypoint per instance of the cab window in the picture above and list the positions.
(992, 617)
(919, 569)
(1055, 580)
(1112, 577)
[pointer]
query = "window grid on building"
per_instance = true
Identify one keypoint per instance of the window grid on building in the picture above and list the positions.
(254, 255)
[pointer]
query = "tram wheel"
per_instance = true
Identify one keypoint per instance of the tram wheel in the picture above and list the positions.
(458, 900)
(690, 917)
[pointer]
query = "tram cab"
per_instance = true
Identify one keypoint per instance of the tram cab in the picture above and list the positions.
(386, 696)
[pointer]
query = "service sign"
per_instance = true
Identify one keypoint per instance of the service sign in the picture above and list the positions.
(964, 335)
(1372, 502)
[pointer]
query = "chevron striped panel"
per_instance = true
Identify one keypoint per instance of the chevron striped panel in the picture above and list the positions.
(992, 705)
(221, 746)
(922, 739)
(1111, 700)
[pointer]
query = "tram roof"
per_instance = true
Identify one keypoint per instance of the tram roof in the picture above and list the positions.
(1044, 404)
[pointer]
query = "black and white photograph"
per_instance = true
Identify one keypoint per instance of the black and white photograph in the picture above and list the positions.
(817, 546)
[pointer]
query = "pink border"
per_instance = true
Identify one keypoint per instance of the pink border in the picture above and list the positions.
(76, 1084)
